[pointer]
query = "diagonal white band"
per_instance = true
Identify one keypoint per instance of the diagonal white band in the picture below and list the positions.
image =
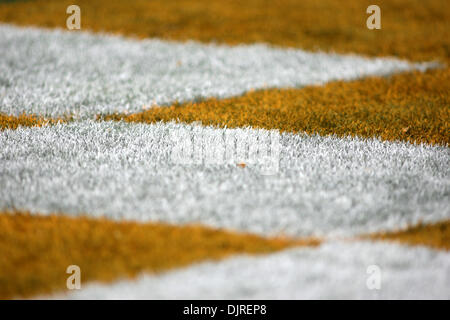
(55, 73)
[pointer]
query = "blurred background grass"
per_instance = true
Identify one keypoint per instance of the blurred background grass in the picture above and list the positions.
(413, 29)
(411, 106)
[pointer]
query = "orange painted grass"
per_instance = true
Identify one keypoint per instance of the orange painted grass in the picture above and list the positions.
(25, 120)
(435, 235)
(410, 107)
(413, 29)
(36, 250)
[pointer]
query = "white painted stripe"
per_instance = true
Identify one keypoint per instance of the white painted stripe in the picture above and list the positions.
(54, 72)
(332, 271)
(324, 186)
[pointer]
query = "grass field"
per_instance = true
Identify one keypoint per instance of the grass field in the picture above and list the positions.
(354, 124)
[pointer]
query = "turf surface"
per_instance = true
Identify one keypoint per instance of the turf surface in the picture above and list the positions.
(326, 185)
(411, 107)
(36, 250)
(323, 186)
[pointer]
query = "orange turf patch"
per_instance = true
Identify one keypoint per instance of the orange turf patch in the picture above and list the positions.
(24, 120)
(409, 107)
(413, 29)
(36, 250)
(432, 235)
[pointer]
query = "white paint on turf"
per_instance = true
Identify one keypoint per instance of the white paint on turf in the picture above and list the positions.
(56, 73)
(325, 186)
(332, 271)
